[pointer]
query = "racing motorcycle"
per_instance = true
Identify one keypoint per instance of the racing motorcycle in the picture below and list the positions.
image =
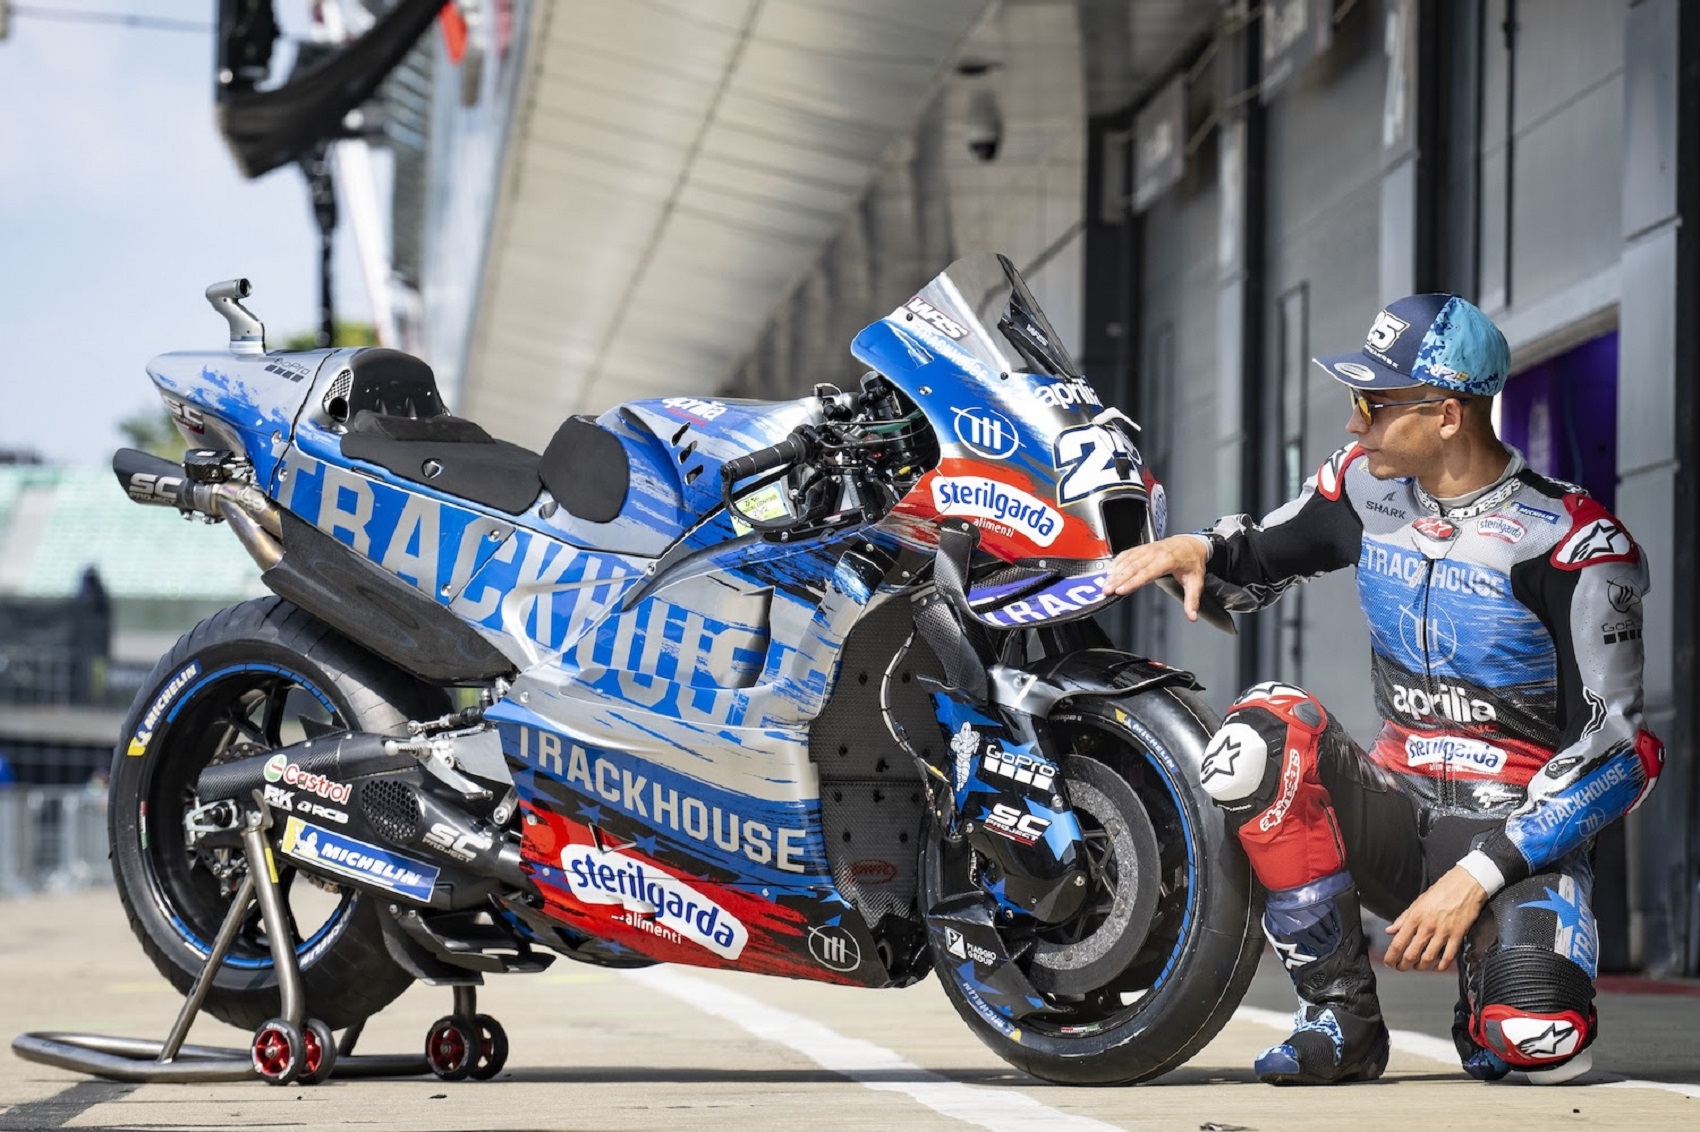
(806, 688)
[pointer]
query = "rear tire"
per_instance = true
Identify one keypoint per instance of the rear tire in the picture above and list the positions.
(250, 678)
(1202, 947)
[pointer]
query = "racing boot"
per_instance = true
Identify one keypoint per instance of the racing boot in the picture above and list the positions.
(1479, 1062)
(1338, 1034)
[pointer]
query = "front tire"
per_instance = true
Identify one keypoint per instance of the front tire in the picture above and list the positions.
(1200, 950)
(251, 678)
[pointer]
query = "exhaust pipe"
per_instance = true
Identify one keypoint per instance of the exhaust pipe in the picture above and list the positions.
(380, 793)
(157, 482)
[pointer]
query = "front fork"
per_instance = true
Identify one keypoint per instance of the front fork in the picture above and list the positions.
(1010, 803)
(1009, 858)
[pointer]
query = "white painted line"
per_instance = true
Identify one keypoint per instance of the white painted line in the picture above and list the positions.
(1443, 1051)
(1001, 1110)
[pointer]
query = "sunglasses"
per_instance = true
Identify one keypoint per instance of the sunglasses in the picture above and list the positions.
(1369, 408)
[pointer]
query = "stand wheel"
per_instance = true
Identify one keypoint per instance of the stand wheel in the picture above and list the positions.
(279, 1052)
(451, 1048)
(320, 1052)
(492, 1048)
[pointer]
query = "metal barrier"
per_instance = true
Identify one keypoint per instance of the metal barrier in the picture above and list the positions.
(52, 838)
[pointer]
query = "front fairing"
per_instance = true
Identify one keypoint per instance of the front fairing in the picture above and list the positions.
(1028, 452)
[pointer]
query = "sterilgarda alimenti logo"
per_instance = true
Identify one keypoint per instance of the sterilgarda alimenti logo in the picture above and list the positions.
(611, 877)
(984, 498)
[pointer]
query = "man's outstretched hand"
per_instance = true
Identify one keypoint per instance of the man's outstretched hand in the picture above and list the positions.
(1180, 556)
(1428, 934)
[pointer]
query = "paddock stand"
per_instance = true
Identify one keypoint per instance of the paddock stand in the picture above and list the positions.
(293, 1049)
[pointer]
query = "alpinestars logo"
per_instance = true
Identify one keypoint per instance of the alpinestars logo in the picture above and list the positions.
(1290, 776)
(1220, 759)
(1557, 1040)
(1600, 541)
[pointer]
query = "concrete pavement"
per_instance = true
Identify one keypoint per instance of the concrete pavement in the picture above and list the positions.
(679, 1048)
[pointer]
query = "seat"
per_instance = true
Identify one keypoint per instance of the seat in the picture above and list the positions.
(449, 454)
(587, 470)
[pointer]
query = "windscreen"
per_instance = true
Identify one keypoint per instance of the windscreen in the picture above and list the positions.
(982, 304)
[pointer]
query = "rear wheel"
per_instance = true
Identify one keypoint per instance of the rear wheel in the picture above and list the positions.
(251, 678)
(1168, 940)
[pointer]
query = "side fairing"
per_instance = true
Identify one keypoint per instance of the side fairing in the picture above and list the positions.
(245, 405)
(1022, 455)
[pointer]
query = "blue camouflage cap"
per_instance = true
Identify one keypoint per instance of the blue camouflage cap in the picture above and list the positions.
(1437, 339)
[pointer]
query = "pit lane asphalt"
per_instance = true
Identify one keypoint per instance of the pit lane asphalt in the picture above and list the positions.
(678, 1048)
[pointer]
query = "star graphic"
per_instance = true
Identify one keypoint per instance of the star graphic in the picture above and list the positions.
(1569, 915)
(592, 814)
(1547, 1042)
(1220, 760)
(647, 845)
(1291, 956)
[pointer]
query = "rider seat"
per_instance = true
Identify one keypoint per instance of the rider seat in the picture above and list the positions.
(398, 422)
(587, 469)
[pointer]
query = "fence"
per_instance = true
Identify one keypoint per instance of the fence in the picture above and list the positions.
(52, 838)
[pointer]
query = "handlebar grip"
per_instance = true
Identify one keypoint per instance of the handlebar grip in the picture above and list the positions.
(788, 451)
(147, 478)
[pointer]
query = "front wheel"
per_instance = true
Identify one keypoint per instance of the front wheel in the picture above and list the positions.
(1168, 941)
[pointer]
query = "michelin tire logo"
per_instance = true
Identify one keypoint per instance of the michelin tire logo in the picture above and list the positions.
(167, 695)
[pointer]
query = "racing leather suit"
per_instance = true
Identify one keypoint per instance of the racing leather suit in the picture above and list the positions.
(1506, 661)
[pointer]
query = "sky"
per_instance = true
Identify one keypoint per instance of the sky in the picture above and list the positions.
(119, 203)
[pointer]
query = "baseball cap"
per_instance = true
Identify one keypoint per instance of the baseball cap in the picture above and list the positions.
(1435, 339)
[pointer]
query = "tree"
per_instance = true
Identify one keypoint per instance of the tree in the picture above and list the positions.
(153, 431)
(347, 334)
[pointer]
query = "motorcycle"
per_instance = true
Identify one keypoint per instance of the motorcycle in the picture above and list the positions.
(806, 688)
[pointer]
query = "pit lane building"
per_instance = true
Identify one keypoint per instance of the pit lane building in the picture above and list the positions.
(652, 198)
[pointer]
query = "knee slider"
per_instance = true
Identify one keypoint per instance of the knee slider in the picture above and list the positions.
(1535, 1009)
(1291, 705)
(1234, 763)
(1242, 763)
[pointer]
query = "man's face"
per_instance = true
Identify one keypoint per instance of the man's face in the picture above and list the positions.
(1404, 430)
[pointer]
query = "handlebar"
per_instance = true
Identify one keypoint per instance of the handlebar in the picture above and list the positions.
(800, 445)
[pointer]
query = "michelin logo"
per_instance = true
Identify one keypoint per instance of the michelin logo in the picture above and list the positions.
(167, 695)
(984, 498)
(649, 893)
(365, 864)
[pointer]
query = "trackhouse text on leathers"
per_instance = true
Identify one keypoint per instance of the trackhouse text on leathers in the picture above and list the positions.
(1505, 639)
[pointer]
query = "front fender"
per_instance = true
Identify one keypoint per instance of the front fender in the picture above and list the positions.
(1036, 689)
